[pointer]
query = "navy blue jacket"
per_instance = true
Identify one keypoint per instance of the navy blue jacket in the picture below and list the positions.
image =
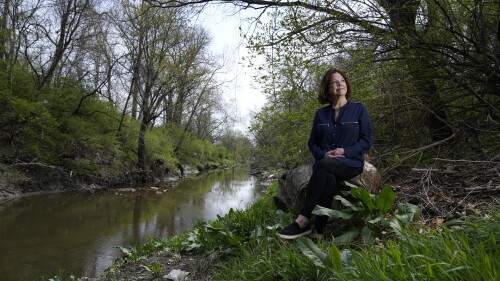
(352, 131)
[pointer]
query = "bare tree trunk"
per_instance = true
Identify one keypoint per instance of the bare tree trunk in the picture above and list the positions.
(169, 107)
(108, 78)
(141, 144)
(4, 31)
(141, 151)
(135, 87)
(124, 113)
(437, 119)
(134, 93)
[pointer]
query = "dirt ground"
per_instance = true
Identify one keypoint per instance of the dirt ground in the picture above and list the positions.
(447, 190)
(196, 266)
(450, 189)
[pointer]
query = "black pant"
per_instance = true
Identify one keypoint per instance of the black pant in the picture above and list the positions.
(323, 184)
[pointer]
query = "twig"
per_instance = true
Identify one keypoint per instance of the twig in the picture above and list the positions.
(465, 160)
(434, 170)
(461, 201)
(487, 188)
(426, 183)
(414, 152)
(478, 189)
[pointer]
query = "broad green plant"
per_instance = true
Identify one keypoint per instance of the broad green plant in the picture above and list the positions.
(369, 215)
(464, 249)
(137, 251)
(333, 259)
(155, 268)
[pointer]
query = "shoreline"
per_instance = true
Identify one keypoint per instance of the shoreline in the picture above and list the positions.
(30, 179)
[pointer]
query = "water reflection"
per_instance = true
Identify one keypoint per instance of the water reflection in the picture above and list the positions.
(80, 232)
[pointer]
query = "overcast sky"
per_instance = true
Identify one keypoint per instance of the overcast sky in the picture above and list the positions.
(223, 26)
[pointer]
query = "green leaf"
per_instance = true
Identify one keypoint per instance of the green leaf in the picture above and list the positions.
(368, 235)
(346, 256)
(346, 203)
(345, 192)
(365, 197)
(257, 231)
(125, 251)
(232, 240)
(374, 219)
(347, 236)
(385, 199)
(350, 185)
(408, 212)
(336, 258)
(322, 211)
(396, 227)
(308, 248)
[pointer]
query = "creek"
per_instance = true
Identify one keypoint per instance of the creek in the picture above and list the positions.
(81, 232)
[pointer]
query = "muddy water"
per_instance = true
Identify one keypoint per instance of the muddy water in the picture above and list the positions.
(81, 232)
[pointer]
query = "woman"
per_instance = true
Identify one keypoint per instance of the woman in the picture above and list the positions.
(340, 136)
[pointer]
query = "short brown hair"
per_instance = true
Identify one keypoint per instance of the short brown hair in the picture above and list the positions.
(324, 96)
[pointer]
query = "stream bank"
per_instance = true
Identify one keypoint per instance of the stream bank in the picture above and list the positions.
(29, 179)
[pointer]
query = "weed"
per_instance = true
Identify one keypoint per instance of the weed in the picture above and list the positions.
(61, 276)
(369, 215)
(155, 268)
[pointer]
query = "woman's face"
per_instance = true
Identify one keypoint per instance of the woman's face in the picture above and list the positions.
(338, 86)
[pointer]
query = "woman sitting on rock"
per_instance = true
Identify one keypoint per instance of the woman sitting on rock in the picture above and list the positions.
(340, 136)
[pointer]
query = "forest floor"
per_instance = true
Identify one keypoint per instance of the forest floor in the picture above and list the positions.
(449, 190)
(445, 191)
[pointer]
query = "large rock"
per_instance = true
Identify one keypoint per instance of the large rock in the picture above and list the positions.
(293, 185)
(292, 188)
(370, 178)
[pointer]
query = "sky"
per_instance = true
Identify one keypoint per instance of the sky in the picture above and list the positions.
(223, 26)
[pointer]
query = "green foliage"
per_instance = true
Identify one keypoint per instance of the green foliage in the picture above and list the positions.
(133, 252)
(27, 127)
(238, 145)
(196, 152)
(137, 251)
(369, 215)
(11, 175)
(235, 230)
(44, 127)
(66, 126)
(155, 268)
(61, 276)
(427, 67)
(160, 149)
(249, 249)
(281, 136)
(457, 252)
(281, 129)
(467, 250)
(320, 259)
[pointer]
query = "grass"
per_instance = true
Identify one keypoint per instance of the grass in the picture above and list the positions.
(249, 249)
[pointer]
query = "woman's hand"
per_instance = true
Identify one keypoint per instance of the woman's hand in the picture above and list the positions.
(339, 152)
